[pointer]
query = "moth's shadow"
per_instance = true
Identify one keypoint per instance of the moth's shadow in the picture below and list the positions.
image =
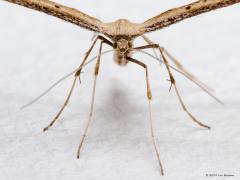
(120, 115)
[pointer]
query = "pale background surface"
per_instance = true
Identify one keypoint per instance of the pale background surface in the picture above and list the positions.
(36, 50)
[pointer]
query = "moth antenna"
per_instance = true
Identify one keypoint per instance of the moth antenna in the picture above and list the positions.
(58, 82)
(176, 63)
(47, 90)
(182, 73)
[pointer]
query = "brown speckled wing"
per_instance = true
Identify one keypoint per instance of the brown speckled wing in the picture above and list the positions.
(175, 15)
(65, 13)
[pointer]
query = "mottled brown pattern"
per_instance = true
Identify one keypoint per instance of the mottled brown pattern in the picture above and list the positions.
(68, 14)
(178, 14)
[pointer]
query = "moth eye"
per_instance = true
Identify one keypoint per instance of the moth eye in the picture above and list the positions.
(130, 44)
(114, 45)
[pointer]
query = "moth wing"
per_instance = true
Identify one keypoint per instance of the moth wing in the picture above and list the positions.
(175, 15)
(62, 12)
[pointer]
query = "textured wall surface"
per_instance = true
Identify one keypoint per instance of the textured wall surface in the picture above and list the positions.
(36, 50)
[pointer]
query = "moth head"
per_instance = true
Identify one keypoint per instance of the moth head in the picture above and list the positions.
(122, 45)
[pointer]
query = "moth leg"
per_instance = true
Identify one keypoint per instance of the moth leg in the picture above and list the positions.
(77, 75)
(149, 96)
(99, 37)
(186, 72)
(153, 46)
(149, 42)
(64, 105)
(96, 72)
(178, 64)
(173, 82)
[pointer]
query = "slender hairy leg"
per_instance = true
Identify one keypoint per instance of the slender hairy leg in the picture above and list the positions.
(96, 71)
(148, 41)
(78, 72)
(153, 46)
(64, 105)
(178, 64)
(77, 75)
(173, 83)
(149, 96)
(188, 77)
(181, 67)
